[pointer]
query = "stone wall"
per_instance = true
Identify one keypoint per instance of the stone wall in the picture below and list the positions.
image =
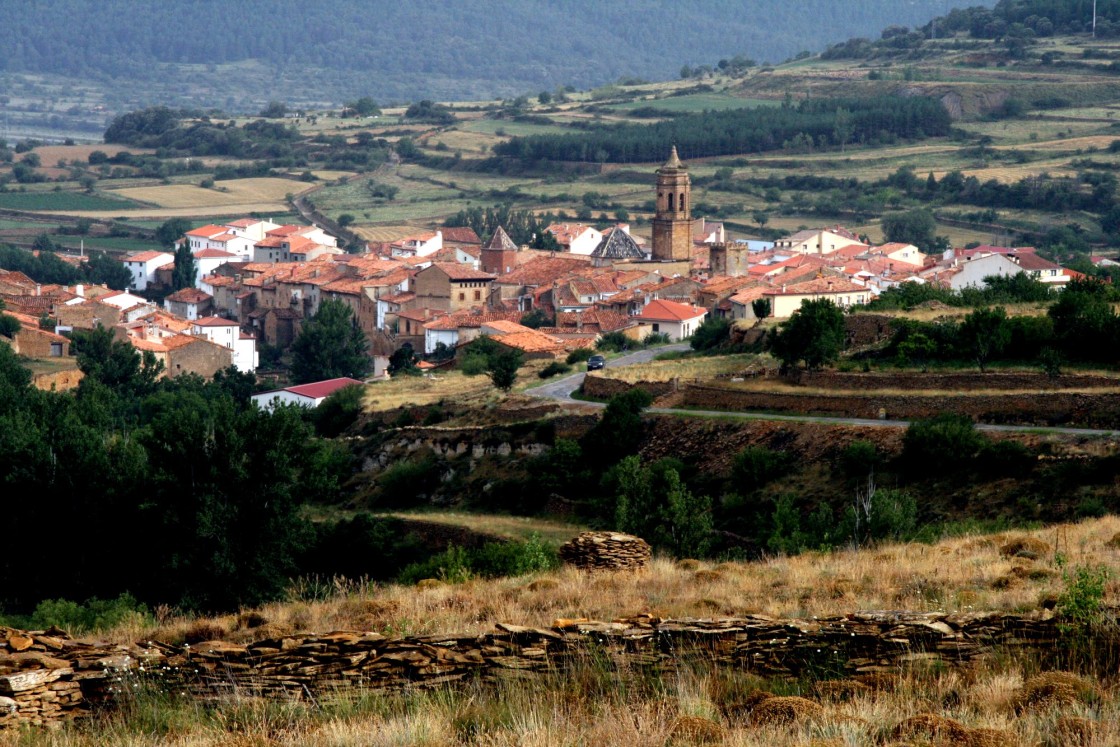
(1043, 409)
(57, 380)
(46, 677)
(600, 387)
(950, 381)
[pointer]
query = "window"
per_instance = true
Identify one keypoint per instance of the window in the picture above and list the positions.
(656, 327)
(478, 295)
(462, 296)
(671, 202)
(56, 349)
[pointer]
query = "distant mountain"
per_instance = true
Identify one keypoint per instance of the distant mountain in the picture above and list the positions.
(328, 50)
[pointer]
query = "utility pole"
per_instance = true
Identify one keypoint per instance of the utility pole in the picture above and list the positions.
(1094, 19)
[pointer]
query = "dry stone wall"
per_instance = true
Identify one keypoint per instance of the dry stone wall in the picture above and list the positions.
(950, 381)
(1043, 409)
(46, 677)
(601, 387)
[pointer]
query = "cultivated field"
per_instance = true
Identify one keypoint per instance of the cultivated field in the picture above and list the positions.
(231, 194)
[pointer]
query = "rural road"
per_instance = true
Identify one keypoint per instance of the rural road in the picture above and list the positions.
(562, 390)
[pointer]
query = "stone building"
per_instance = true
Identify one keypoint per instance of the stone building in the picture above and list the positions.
(672, 222)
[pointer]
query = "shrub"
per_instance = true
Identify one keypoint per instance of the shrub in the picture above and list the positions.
(473, 364)
(492, 560)
(942, 444)
(94, 614)
(401, 483)
(656, 338)
(616, 342)
(712, 333)
(553, 369)
(338, 411)
(859, 458)
(579, 355)
(755, 466)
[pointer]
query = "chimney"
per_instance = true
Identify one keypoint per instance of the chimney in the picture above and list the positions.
(38, 289)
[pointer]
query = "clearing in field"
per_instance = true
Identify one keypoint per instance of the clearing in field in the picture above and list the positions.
(453, 386)
(61, 202)
(685, 368)
(519, 528)
(231, 195)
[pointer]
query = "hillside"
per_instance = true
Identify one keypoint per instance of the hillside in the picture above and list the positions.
(238, 56)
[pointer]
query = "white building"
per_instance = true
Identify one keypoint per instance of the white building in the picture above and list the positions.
(576, 237)
(143, 265)
(305, 395)
(677, 320)
(208, 260)
(228, 334)
(971, 273)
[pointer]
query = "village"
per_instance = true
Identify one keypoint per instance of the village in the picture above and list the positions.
(436, 290)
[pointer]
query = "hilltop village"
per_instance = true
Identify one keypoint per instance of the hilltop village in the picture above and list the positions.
(256, 282)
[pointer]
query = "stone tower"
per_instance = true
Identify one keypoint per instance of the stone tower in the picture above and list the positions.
(672, 224)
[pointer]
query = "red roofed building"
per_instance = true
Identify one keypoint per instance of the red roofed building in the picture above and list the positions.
(451, 286)
(143, 265)
(189, 303)
(677, 320)
(305, 395)
(787, 299)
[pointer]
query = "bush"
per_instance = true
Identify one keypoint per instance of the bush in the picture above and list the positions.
(492, 560)
(713, 332)
(616, 342)
(338, 411)
(859, 459)
(942, 444)
(553, 369)
(579, 355)
(473, 364)
(755, 466)
(403, 482)
(656, 338)
(94, 614)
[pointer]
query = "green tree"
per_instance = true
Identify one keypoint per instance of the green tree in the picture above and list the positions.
(620, 431)
(103, 269)
(813, 334)
(761, 308)
(536, 319)
(712, 332)
(365, 107)
(183, 276)
(502, 368)
(984, 334)
(330, 345)
(842, 128)
(172, 230)
(114, 363)
(653, 503)
(9, 326)
(915, 227)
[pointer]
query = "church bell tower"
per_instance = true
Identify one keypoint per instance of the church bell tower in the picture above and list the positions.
(672, 223)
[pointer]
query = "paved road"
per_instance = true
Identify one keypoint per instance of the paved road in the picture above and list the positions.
(562, 389)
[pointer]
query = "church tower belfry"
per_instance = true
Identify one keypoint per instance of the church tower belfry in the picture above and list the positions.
(672, 223)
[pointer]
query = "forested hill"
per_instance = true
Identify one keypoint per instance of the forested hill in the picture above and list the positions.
(426, 48)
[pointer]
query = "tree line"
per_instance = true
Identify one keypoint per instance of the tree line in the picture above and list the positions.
(829, 121)
(178, 491)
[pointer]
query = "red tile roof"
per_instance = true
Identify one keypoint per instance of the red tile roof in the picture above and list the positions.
(212, 253)
(189, 295)
(147, 256)
(670, 311)
(318, 389)
(457, 272)
(208, 231)
(215, 321)
(461, 235)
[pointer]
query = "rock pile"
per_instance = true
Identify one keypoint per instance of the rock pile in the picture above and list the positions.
(42, 674)
(46, 677)
(612, 551)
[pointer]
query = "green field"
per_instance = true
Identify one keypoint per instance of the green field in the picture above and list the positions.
(694, 103)
(51, 201)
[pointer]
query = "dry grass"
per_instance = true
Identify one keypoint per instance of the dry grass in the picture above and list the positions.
(596, 706)
(686, 368)
(425, 390)
(510, 527)
(958, 575)
(230, 195)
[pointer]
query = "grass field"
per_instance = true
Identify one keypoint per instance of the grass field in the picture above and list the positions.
(694, 103)
(234, 192)
(61, 202)
(686, 368)
(510, 527)
(419, 391)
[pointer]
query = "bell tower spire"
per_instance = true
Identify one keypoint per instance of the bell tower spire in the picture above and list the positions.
(672, 222)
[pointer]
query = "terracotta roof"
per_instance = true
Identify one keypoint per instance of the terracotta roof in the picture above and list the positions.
(1033, 262)
(207, 231)
(16, 277)
(470, 319)
(817, 286)
(189, 295)
(147, 256)
(565, 233)
(244, 223)
(419, 315)
(458, 272)
(531, 341)
(286, 230)
(505, 326)
(212, 254)
(399, 298)
(215, 321)
(543, 270)
(670, 311)
(218, 281)
(460, 235)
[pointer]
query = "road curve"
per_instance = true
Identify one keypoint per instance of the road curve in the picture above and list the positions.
(562, 389)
